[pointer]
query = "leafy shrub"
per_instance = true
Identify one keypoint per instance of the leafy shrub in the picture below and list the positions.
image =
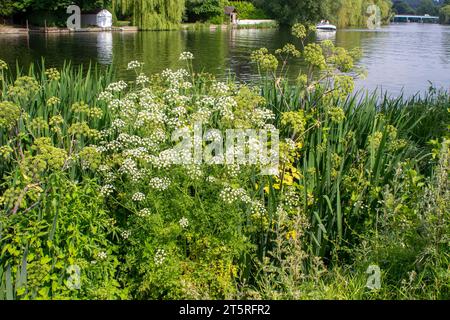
(247, 10)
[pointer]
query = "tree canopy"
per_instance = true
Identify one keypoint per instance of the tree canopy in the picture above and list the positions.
(10, 7)
(341, 12)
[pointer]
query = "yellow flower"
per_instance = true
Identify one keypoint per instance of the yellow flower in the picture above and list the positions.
(291, 235)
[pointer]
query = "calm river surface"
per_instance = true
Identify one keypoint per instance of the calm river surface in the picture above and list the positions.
(397, 57)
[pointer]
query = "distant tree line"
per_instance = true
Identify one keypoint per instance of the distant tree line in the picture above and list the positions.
(439, 8)
(167, 14)
(54, 11)
(419, 7)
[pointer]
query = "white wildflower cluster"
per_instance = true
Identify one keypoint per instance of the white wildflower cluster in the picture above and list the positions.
(142, 79)
(132, 141)
(184, 56)
(173, 97)
(207, 102)
(290, 144)
(114, 104)
(146, 95)
(138, 197)
(211, 179)
(258, 208)
(269, 127)
(159, 184)
(129, 167)
(202, 115)
(175, 79)
(110, 177)
(225, 106)
(144, 213)
(233, 170)
(261, 116)
(128, 110)
(102, 255)
(249, 152)
(117, 86)
(152, 117)
(104, 168)
(184, 222)
(290, 198)
(137, 153)
(230, 195)
(134, 65)
(195, 172)
(106, 190)
(216, 138)
(160, 256)
(164, 160)
(111, 146)
(118, 124)
(126, 234)
(105, 96)
(219, 88)
(280, 212)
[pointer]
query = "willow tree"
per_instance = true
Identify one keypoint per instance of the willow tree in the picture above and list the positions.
(152, 14)
(352, 13)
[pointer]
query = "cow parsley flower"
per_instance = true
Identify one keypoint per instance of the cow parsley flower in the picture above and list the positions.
(142, 79)
(134, 65)
(144, 213)
(184, 222)
(230, 195)
(138, 197)
(117, 86)
(160, 184)
(160, 256)
(184, 56)
(102, 255)
(107, 190)
(105, 96)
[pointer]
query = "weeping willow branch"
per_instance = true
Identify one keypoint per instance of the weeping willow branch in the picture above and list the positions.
(152, 14)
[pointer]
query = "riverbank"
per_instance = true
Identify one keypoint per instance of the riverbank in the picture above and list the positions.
(12, 30)
(22, 30)
(241, 24)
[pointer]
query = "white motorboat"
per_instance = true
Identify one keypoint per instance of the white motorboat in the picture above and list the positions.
(325, 26)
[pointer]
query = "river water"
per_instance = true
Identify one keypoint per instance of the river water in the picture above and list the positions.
(398, 58)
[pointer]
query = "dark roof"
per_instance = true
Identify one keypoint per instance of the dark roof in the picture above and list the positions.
(230, 10)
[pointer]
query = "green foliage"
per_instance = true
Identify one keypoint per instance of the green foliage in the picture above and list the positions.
(343, 13)
(247, 10)
(402, 7)
(151, 14)
(205, 10)
(8, 7)
(293, 11)
(354, 12)
(444, 14)
(428, 7)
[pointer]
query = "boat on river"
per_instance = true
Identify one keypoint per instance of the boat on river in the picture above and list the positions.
(325, 26)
